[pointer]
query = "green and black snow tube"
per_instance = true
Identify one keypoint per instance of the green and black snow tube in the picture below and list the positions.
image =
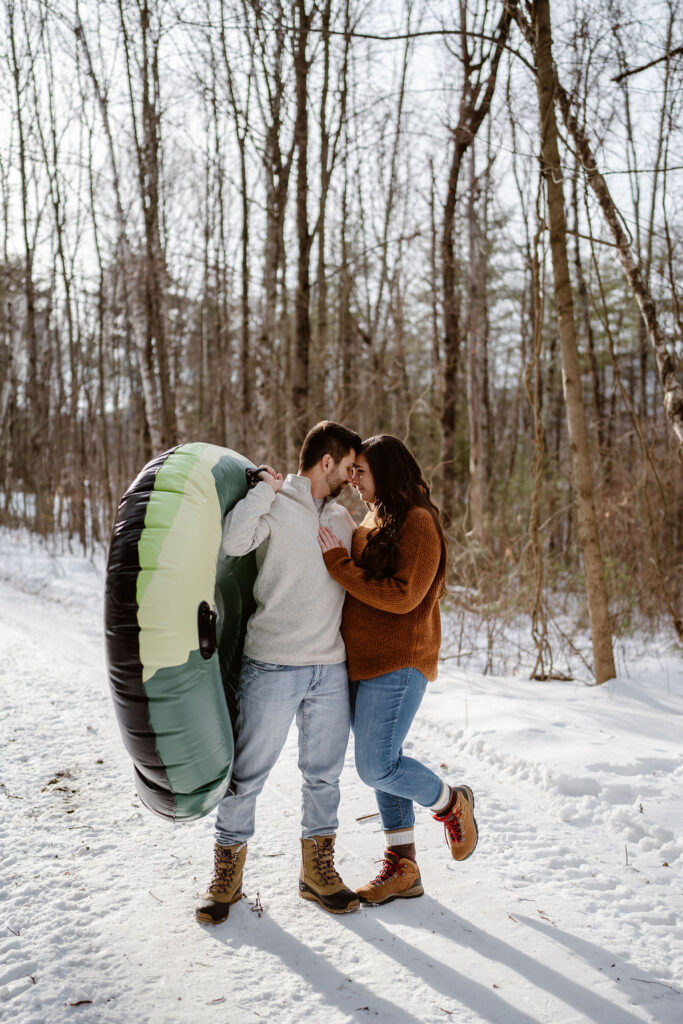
(176, 610)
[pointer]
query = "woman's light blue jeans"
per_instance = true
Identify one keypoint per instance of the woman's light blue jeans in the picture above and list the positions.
(269, 698)
(382, 711)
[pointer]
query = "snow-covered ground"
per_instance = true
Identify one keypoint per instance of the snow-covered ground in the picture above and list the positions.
(570, 910)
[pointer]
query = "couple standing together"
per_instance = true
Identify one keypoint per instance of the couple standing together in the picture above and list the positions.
(346, 633)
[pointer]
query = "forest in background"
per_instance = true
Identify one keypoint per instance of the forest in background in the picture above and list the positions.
(224, 220)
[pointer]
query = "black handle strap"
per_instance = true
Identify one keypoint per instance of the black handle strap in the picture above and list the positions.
(206, 627)
(252, 475)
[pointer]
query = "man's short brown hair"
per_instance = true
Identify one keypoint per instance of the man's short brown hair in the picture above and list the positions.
(327, 437)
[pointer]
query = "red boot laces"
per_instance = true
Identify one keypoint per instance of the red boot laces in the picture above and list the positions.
(390, 867)
(453, 827)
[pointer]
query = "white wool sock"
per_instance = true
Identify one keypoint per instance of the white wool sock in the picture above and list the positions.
(400, 837)
(444, 797)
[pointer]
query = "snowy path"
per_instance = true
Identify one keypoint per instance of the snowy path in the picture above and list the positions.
(546, 923)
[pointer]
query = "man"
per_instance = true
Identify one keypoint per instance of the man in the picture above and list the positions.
(294, 665)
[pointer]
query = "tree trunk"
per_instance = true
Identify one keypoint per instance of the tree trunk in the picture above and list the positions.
(451, 339)
(156, 284)
(272, 90)
(36, 460)
(135, 315)
(245, 345)
(434, 288)
(302, 329)
(330, 135)
(346, 409)
(475, 332)
(582, 481)
(321, 372)
(584, 309)
(472, 112)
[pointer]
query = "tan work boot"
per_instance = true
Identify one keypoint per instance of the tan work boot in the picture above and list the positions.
(459, 824)
(318, 878)
(399, 879)
(225, 887)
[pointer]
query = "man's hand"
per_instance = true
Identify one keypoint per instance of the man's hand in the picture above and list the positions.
(328, 540)
(270, 477)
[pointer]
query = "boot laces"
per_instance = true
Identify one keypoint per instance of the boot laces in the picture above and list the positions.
(389, 869)
(225, 862)
(325, 862)
(453, 826)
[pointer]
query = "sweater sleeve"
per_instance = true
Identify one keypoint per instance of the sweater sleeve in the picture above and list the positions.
(247, 525)
(419, 557)
(341, 523)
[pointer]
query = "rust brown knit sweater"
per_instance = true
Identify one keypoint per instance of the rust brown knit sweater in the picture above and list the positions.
(393, 623)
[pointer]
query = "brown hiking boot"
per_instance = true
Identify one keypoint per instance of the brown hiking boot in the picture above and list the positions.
(459, 825)
(318, 878)
(225, 887)
(399, 879)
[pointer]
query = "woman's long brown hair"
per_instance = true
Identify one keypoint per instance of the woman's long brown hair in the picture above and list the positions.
(399, 486)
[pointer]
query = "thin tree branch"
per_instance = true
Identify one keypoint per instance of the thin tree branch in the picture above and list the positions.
(644, 67)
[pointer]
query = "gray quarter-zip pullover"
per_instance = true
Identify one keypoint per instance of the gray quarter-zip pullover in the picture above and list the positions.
(298, 604)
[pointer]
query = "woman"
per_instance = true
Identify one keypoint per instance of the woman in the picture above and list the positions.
(392, 628)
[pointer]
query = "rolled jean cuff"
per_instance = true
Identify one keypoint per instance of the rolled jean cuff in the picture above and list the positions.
(308, 833)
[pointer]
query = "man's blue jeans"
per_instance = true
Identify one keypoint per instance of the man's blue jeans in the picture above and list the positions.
(269, 697)
(382, 711)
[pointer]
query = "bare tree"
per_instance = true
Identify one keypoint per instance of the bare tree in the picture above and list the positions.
(145, 106)
(135, 307)
(480, 71)
(582, 479)
(330, 132)
(35, 461)
(475, 362)
(241, 121)
(666, 364)
(302, 331)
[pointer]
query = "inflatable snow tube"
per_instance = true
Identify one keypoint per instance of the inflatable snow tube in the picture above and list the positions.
(176, 610)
